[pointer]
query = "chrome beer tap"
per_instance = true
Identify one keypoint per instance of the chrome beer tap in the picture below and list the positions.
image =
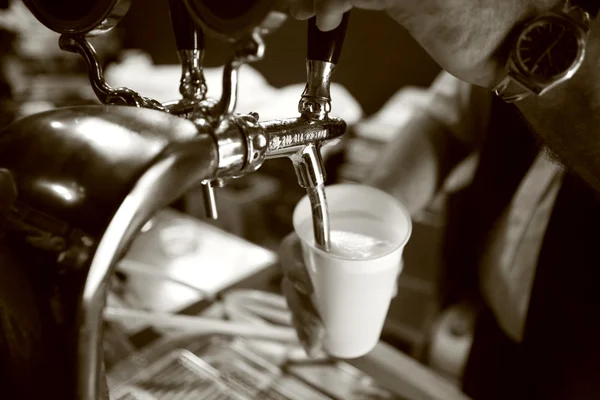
(301, 138)
(323, 53)
(86, 179)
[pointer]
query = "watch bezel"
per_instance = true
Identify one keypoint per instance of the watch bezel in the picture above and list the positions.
(550, 18)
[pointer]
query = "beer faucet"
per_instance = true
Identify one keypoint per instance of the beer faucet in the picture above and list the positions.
(88, 178)
(323, 53)
(301, 138)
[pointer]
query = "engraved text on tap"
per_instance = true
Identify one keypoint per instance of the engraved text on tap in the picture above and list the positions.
(286, 140)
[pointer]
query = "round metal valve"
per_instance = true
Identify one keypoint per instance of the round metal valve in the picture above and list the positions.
(85, 17)
(230, 19)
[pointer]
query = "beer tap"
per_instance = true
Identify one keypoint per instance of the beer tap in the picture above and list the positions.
(322, 55)
(299, 139)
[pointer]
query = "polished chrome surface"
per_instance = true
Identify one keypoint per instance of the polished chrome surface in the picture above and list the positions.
(242, 145)
(183, 167)
(311, 176)
(316, 99)
(66, 159)
(232, 148)
(314, 106)
(289, 136)
(193, 84)
(87, 178)
(248, 50)
(301, 140)
(239, 137)
(105, 93)
(256, 141)
(210, 202)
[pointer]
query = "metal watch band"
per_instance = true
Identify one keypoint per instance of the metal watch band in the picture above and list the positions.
(510, 91)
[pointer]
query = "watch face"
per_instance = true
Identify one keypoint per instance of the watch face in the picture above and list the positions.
(549, 48)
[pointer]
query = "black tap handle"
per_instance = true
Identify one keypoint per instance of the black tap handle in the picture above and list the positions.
(326, 46)
(188, 35)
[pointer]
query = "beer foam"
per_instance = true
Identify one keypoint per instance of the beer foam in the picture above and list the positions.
(357, 246)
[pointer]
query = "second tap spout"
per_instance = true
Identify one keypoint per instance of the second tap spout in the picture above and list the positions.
(310, 171)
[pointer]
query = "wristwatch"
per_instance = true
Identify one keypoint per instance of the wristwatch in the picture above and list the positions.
(548, 50)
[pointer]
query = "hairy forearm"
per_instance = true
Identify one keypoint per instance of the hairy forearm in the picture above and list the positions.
(567, 119)
(415, 164)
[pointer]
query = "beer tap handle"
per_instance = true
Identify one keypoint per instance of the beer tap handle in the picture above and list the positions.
(189, 40)
(188, 36)
(322, 54)
(326, 46)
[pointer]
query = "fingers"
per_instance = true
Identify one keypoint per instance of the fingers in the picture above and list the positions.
(292, 263)
(330, 13)
(302, 9)
(305, 318)
(297, 289)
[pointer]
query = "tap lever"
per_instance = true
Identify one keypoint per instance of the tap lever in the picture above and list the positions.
(189, 39)
(188, 36)
(323, 53)
(326, 46)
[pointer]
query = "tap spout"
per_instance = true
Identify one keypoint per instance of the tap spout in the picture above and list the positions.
(301, 140)
(308, 164)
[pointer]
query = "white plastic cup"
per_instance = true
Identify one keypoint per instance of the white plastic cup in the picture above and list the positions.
(353, 295)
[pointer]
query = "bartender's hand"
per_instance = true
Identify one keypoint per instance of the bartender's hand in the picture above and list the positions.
(297, 289)
(463, 36)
